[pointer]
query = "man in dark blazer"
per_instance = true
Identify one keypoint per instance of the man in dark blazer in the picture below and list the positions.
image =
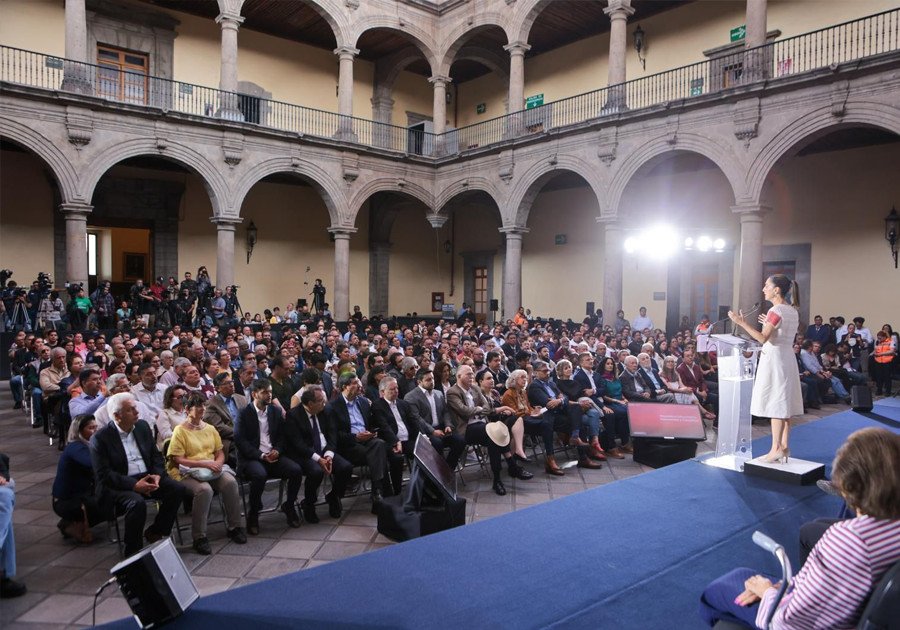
(311, 441)
(222, 412)
(615, 419)
(435, 419)
(818, 331)
(259, 440)
(400, 427)
(128, 469)
(357, 434)
(658, 390)
(692, 376)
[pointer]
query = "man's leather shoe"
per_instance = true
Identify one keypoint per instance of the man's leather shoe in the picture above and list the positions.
(335, 509)
(596, 453)
(628, 449)
(253, 524)
(577, 441)
(309, 513)
(520, 473)
(585, 462)
(615, 453)
(9, 588)
(499, 488)
(551, 468)
(237, 536)
(293, 519)
(152, 535)
(377, 498)
(201, 546)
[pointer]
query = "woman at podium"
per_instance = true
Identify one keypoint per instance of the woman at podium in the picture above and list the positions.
(776, 390)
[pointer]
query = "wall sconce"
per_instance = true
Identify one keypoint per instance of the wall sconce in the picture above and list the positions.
(251, 239)
(891, 232)
(449, 97)
(447, 246)
(639, 45)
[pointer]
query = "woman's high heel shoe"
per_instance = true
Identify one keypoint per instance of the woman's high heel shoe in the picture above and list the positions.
(777, 457)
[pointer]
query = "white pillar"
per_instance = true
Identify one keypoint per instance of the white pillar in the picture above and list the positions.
(225, 228)
(612, 268)
(755, 61)
(512, 271)
(230, 21)
(516, 95)
(750, 278)
(341, 306)
(75, 215)
(75, 78)
(618, 12)
(345, 55)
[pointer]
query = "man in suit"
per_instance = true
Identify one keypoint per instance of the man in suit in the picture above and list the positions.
(259, 440)
(357, 434)
(243, 378)
(692, 376)
(566, 418)
(615, 417)
(223, 410)
(128, 469)
(436, 421)
(511, 348)
(817, 331)
(656, 388)
(400, 427)
(310, 440)
(317, 361)
(493, 362)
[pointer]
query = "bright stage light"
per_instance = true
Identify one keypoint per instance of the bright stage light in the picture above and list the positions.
(630, 244)
(719, 244)
(689, 243)
(704, 243)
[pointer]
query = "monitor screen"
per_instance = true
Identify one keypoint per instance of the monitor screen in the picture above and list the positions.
(657, 420)
(435, 466)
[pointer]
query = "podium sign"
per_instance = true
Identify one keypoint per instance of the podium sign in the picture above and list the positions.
(736, 359)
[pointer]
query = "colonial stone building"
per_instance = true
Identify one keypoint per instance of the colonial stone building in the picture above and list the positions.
(547, 154)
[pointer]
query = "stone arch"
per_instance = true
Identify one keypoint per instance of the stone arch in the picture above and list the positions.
(492, 60)
(415, 34)
(212, 178)
(63, 171)
(331, 11)
(314, 174)
(715, 153)
(528, 12)
(461, 34)
(464, 185)
(387, 69)
(807, 127)
(536, 177)
(409, 189)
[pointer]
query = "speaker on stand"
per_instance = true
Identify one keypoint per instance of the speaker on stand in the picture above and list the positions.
(494, 307)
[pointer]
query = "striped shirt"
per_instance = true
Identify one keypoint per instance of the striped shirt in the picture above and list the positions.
(832, 588)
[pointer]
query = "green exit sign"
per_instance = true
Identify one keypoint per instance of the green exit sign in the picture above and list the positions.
(738, 33)
(534, 101)
(481, 108)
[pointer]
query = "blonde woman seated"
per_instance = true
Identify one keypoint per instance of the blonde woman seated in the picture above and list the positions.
(536, 421)
(683, 395)
(172, 414)
(195, 458)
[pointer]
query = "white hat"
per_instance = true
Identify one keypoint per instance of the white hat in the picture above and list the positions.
(498, 432)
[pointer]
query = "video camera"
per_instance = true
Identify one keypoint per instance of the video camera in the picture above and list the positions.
(72, 288)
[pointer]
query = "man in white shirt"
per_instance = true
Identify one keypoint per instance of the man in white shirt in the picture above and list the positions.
(641, 321)
(434, 417)
(148, 390)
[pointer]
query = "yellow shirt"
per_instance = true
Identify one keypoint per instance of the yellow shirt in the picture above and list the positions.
(192, 444)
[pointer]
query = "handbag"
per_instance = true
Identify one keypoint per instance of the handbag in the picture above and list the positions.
(204, 474)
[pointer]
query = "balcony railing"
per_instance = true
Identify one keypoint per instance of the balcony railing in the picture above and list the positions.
(865, 37)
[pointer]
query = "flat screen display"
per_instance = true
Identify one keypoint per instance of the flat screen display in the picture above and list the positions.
(658, 420)
(435, 466)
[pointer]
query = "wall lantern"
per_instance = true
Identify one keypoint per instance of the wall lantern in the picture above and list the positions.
(892, 232)
(447, 246)
(251, 239)
(639, 45)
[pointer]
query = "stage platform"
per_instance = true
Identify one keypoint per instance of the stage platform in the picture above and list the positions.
(632, 554)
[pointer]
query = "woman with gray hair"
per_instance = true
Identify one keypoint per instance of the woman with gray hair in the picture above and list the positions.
(536, 422)
(172, 414)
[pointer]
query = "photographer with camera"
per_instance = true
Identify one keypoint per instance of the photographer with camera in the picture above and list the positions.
(80, 306)
(105, 304)
(232, 305)
(17, 310)
(50, 312)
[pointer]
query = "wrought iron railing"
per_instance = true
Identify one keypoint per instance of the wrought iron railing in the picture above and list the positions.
(865, 37)
(128, 87)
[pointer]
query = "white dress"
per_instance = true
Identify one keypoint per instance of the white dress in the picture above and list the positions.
(776, 391)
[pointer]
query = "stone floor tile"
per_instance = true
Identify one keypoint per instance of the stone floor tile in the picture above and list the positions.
(339, 550)
(58, 608)
(224, 565)
(270, 567)
(109, 609)
(208, 585)
(350, 533)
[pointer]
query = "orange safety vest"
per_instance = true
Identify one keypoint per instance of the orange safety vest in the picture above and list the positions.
(884, 347)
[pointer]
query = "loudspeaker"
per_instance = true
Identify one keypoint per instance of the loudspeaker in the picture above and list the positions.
(156, 583)
(301, 302)
(495, 306)
(659, 452)
(861, 398)
(589, 308)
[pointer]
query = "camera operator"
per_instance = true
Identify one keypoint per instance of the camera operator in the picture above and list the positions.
(34, 297)
(51, 311)
(105, 304)
(18, 317)
(232, 305)
(184, 308)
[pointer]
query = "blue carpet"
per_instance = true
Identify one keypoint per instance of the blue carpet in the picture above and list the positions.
(635, 554)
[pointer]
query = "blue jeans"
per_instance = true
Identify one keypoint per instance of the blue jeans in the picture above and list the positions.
(7, 541)
(590, 421)
(717, 601)
(839, 390)
(16, 386)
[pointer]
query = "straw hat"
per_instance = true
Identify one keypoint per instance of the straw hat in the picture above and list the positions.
(498, 432)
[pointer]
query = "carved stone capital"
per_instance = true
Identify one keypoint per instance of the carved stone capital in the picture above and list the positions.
(75, 211)
(619, 9)
(517, 48)
(80, 126)
(513, 231)
(346, 52)
(342, 232)
(233, 148)
(746, 119)
(436, 220)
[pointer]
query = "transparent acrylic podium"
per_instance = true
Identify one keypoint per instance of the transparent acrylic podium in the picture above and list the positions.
(736, 359)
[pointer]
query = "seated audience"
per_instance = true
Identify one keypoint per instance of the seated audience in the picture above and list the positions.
(683, 395)
(74, 498)
(692, 376)
(399, 428)
(536, 423)
(222, 412)
(437, 423)
(9, 587)
(591, 414)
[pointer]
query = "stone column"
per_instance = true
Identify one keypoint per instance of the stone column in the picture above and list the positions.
(225, 227)
(439, 111)
(618, 12)
(230, 21)
(516, 96)
(755, 60)
(382, 112)
(76, 75)
(512, 271)
(75, 215)
(612, 268)
(345, 92)
(379, 278)
(341, 303)
(751, 262)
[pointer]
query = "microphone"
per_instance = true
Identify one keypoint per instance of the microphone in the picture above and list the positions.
(753, 308)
